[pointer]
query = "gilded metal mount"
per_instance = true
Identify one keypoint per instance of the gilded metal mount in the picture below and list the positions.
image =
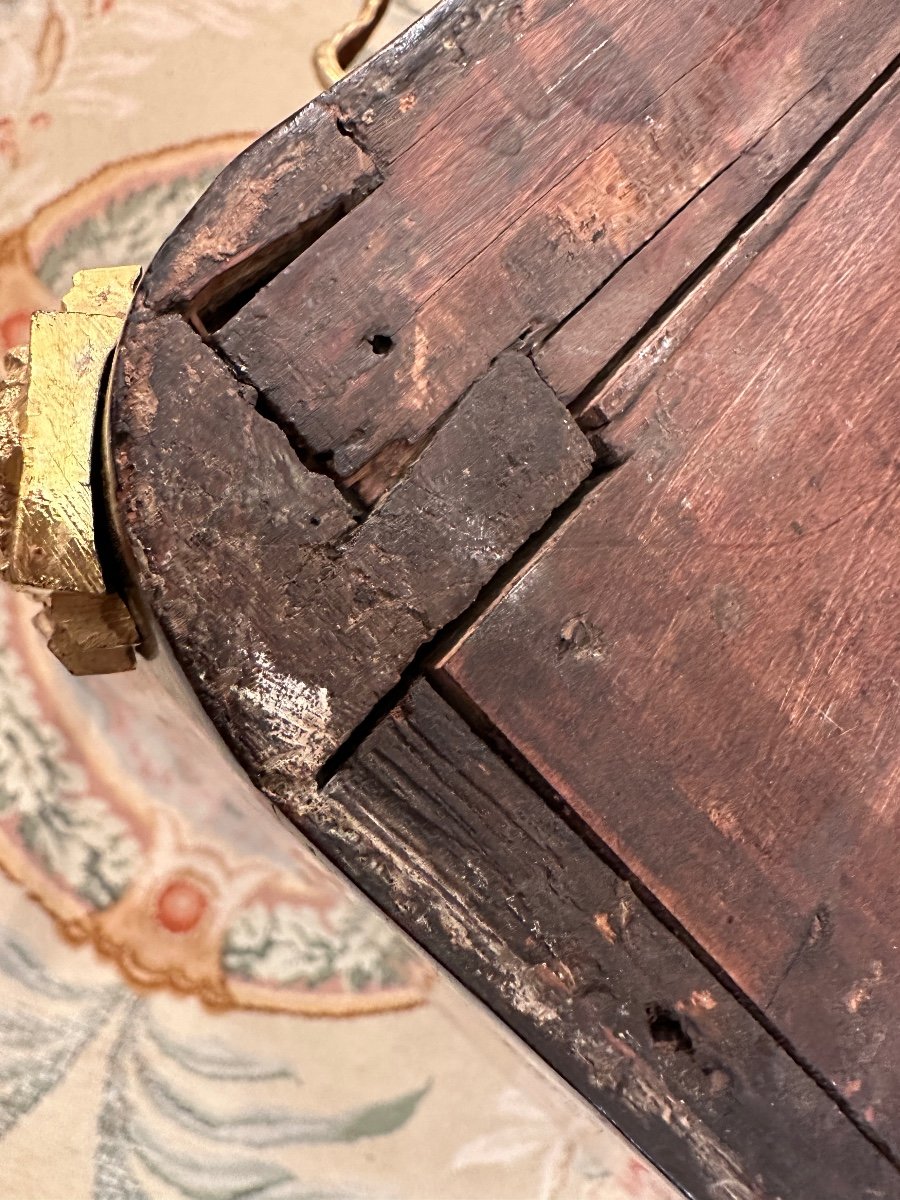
(333, 57)
(49, 513)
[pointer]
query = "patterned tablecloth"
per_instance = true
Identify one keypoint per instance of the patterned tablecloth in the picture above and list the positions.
(191, 1004)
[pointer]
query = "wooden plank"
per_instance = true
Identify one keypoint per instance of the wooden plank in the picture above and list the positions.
(617, 390)
(291, 614)
(313, 165)
(421, 78)
(505, 174)
(586, 342)
(712, 635)
(263, 210)
(592, 130)
(474, 864)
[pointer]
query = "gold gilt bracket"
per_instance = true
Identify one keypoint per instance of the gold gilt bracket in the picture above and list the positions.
(334, 57)
(50, 512)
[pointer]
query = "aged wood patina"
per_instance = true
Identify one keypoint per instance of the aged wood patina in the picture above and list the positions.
(506, 446)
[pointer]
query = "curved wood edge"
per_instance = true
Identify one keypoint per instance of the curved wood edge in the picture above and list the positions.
(205, 463)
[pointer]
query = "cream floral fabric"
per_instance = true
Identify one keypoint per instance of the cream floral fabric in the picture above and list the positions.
(191, 1004)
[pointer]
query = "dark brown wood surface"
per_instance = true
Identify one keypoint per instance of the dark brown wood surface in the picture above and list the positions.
(583, 141)
(468, 857)
(714, 635)
(309, 593)
(339, 408)
(586, 129)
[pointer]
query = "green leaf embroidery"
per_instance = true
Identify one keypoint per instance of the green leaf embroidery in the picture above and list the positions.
(211, 1060)
(277, 1127)
(289, 944)
(34, 1064)
(127, 229)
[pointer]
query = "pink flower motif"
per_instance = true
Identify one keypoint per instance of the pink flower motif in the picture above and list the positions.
(9, 141)
(181, 905)
(14, 329)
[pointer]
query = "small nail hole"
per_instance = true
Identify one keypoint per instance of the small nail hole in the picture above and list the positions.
(667, 1031)
(381, 343)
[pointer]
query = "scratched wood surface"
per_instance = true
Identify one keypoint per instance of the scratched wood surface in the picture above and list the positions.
(714, 635)
(565, 132)
(257, 544)
(389, 362)
(511, 899)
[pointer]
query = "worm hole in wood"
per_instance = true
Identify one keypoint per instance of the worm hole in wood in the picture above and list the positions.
(381, 343)
(667, 1031)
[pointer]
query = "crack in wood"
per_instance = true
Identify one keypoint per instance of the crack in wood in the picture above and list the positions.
(483, 728)
(339, 632)
(802, 178)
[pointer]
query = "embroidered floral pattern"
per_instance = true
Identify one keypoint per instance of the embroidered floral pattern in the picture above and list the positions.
(44, 803)
(284, 944)
(126, 229)
(123, 869)
(145, 1117)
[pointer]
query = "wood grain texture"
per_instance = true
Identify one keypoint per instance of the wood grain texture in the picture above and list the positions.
(590, 338)
(384, 284)
(593, 127)
(469, 860)
(264, 208)
(290, 613)
(715, 633)
(616, 390)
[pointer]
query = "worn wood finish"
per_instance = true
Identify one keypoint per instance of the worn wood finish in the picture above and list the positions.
(585, 140)
(309, 617)
(583, 155)
(578, 350)
(507, 896)
(713, 635)
(513, 901)
(262, 211)
(616, 386)
(332, 425)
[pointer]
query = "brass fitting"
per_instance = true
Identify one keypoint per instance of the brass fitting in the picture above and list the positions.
(334, 57)
(49, 503)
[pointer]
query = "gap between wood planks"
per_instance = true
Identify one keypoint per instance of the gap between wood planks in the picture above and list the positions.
(207, 313)
(708, 265)
(591, 422)
(219, 301)
(423, 662)
(483, 728)
(608, 457)
(337, 411)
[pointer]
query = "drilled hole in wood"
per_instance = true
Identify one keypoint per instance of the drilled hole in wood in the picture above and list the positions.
(381, 343)
(667, 1031)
